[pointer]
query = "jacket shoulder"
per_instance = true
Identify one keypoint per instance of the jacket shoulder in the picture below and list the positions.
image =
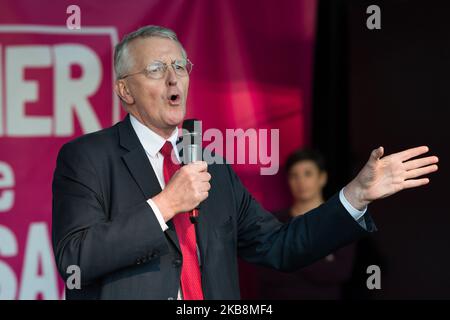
(97, 141)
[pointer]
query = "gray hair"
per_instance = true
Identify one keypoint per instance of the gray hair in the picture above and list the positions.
(121, 56)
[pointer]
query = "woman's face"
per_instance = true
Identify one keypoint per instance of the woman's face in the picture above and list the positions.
(306, 181)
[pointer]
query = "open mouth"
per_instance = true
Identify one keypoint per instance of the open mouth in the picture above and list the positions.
(174, 99)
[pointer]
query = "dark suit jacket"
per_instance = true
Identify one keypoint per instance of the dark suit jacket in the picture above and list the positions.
(321, 280)
(103, 224)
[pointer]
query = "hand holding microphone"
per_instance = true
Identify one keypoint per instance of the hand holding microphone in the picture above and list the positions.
(189, 186)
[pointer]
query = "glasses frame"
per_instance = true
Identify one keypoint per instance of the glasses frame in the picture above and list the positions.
(166, 66)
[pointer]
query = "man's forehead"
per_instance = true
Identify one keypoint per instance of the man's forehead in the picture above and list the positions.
(155, 48)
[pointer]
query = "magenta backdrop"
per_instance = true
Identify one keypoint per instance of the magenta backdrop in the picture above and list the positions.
(253, 69)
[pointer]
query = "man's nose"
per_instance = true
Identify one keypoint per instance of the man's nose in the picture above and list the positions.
(171, 77)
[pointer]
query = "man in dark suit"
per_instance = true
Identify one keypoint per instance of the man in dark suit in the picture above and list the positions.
(120, 204)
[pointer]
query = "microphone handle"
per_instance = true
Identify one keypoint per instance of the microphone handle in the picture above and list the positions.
(193, 215)
(193, 155)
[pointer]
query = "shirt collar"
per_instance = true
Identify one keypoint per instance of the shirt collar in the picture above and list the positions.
(150, 140)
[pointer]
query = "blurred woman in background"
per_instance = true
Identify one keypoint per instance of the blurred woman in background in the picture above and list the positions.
(307, 176)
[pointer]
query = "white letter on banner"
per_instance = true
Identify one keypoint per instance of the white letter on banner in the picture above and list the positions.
(19, 91)
(38, 252)
(72, 95)
(7, 182)
(8, 248)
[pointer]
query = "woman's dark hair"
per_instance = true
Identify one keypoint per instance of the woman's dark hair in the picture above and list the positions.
(305, 154)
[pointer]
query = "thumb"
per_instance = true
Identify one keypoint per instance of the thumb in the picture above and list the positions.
(377, 153)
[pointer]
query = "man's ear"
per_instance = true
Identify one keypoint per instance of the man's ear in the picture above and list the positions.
(122, 91)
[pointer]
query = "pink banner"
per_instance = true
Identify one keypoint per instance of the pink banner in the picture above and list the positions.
(252, 70)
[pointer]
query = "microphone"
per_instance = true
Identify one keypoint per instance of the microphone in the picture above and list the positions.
(192, 150)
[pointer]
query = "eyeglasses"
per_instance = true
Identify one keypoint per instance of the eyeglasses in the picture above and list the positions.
(158, 69)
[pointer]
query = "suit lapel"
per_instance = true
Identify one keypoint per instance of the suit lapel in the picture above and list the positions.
(201, 231)
(141, 170)
(172, 233)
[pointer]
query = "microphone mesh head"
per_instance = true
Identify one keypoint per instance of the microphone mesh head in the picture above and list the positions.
(189, 124)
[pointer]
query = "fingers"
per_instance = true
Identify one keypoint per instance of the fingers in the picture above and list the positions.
(421, 171)
(203, 197)
(200, 179)
(195, 167)
(415, 183)
(411, 153)
(204, 187)
(196, 171)
(199, 165)
(203, 184)
(377, 153)
(189, 186)
(414, 164)
(203, 191)
(380, 152)
(205, 177)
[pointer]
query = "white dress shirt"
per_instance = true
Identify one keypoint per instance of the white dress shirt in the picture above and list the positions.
(152, 143)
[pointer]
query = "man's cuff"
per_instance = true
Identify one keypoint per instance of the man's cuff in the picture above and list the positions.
(355, 213)
(158, 215)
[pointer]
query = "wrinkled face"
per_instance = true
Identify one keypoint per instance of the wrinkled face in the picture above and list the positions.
(159, 104)
(305, 180)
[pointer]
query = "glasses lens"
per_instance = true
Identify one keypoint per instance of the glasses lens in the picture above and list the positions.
(182, 67)
(156, 70)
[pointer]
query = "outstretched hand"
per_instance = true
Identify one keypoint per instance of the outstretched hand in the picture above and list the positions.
(385, 176)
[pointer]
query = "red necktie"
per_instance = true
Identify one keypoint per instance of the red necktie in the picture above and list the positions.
(191, 285)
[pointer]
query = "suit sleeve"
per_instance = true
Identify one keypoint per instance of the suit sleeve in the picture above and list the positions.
(263, 240)
(82, 233)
